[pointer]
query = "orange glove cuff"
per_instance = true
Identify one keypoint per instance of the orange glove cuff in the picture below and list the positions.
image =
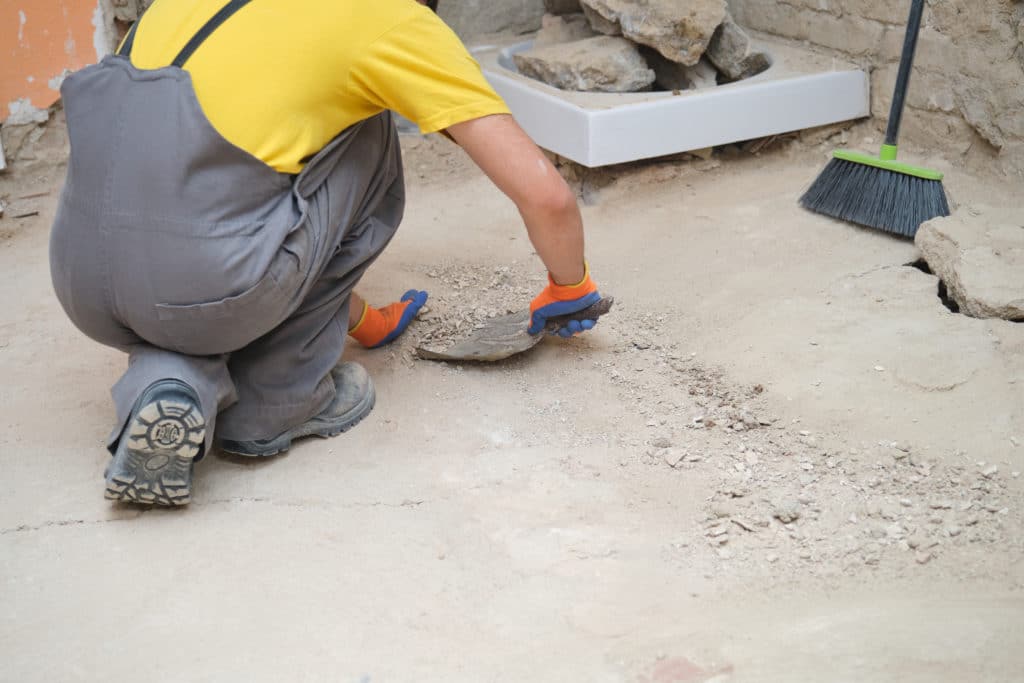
(555, 292)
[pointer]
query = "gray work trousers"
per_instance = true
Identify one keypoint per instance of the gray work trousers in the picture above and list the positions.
(205, 265)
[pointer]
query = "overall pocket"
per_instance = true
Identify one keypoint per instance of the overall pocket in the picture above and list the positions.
(229, 324)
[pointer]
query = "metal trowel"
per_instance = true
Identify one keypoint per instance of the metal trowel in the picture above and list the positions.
(506, 336)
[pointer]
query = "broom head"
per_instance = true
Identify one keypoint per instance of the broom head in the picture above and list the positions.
(878, 192)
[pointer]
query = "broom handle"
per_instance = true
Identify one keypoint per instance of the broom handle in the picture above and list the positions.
(899, 97)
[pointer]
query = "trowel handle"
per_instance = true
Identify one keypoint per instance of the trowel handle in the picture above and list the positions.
(899, 96)
(591, 312)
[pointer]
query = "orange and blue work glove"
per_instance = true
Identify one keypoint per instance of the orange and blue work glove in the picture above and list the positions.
(380, 326)
(558, 300)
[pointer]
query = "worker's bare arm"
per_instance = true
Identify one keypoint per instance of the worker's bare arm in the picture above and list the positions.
(517, 166)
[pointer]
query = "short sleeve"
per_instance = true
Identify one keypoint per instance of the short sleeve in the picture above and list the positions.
(422, 70)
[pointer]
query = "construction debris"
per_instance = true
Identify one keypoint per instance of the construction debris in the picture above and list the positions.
(600, 24)
(603, 64)
(681, 45)
(563, 29)
(680, 31)
(730, 50)
(978, 253)
(675, 76)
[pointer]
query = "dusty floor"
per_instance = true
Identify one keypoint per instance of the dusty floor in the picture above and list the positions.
(780, 459)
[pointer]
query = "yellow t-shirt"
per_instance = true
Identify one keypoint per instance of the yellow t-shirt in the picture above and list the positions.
(281, 78)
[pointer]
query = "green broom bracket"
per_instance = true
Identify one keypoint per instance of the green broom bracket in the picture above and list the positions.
(887, 161)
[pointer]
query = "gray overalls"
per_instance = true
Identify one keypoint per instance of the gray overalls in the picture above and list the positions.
(202, 262)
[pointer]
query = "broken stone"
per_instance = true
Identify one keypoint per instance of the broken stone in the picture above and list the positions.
(721, 510)
(555, 30)
(675, 76)
(600, 24)
(601, 64)
(743, 524)
(980, 257)
(730, 50)
(787, 512)
(672, 457)
(562, 6)
(680, 31)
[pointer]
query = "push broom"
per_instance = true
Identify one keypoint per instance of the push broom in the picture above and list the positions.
(880, 192)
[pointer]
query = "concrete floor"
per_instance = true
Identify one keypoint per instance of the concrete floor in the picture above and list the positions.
(506, 523)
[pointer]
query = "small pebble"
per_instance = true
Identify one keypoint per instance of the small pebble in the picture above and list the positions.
(879, 368)
(772, 558)
(953, 530)
(906, 502)
(923, 557)
(787, 512)
(804, 554)
(661, 442)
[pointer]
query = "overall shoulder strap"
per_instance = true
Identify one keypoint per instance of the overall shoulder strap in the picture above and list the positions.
(198, 39)
(129, 40)
(207, 30)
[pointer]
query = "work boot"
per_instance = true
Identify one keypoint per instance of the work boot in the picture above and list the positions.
(353, 400)
(153, 461)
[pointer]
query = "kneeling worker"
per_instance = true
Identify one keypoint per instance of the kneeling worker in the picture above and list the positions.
(234, 171)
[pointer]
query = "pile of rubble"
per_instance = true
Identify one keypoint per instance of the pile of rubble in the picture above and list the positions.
(639, 45)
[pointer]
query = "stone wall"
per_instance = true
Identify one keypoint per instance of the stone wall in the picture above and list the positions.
(967, 92)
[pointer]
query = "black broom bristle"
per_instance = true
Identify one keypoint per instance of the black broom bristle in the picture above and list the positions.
(875, 197)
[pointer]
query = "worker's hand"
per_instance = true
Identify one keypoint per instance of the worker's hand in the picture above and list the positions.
(558, 300)
(380, 326)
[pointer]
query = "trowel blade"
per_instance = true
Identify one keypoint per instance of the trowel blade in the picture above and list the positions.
(503, 337)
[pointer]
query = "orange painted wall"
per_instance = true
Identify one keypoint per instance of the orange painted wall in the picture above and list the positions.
(39, 39)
